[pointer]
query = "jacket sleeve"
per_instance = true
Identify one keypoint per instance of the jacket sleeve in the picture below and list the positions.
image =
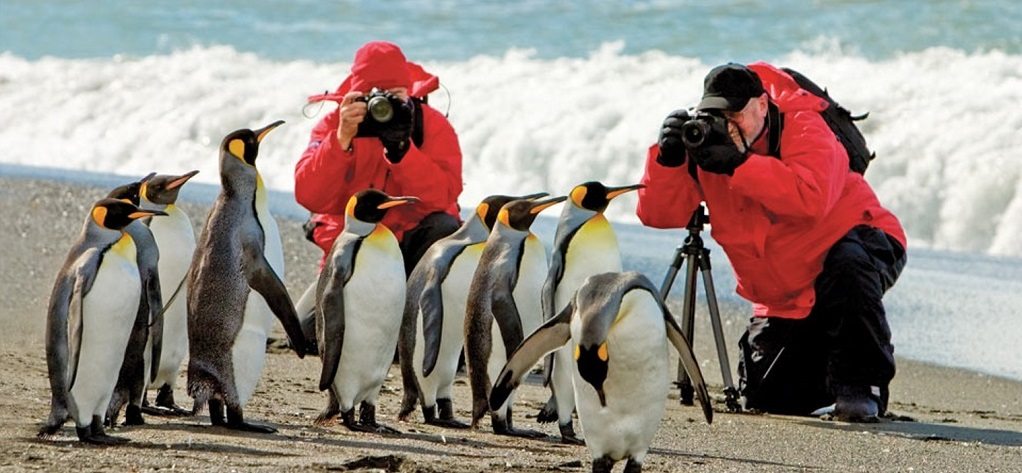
(432, 173)
(808, 179)
(320, 172)
(669, 196)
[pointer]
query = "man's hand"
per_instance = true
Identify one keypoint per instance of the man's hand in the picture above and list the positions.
(352, 113)
(672, 149)
(396, 136)
(719, 158)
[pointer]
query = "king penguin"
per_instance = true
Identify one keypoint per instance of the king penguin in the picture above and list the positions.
(584, 245)
(144, 344)
(360, 298)
(505, 288)
(618, 328)
(434, 314)
(91, 314)
(235, 289)
(175, 238)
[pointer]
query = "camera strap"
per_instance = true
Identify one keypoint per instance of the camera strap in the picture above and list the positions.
(417, 132)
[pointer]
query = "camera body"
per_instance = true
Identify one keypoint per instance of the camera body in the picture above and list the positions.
(704, 129)
(383, 111)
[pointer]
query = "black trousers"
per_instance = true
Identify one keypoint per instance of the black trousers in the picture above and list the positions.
(790, 366)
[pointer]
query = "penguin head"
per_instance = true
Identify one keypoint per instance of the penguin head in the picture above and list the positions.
(371, 205)
(488, 209)
(595, 196)
(115, 214)
(163, 189)
(592, 361)
(244, 144)
(130, 191)
(519, 214)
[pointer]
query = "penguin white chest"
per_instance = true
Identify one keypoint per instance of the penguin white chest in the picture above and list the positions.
(108, 314)
(636, 385)
(374, 299)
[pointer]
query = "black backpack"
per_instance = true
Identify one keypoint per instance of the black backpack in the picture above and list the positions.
(841, 122)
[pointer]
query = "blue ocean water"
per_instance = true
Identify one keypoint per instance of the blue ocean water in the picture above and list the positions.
(548, 94)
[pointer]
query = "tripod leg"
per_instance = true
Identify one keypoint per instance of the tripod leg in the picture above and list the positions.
(718, 335)
(686, 392)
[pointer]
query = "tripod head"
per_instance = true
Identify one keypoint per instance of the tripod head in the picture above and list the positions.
(698, 219)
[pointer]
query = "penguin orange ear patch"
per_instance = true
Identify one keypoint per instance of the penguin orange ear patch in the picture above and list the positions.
(503, 217)
(99, 215)
(578, 194)
(237, 148)
(578, 352)
(350, 208)
(482, 209)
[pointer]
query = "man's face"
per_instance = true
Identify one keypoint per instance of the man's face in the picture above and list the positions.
(399, 92)
(750, 119)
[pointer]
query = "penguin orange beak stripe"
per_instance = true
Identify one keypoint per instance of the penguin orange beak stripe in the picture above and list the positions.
(541, 206)
(262, 132)
(181, 180)
(145, 213)
(616, 191)
(396, 201)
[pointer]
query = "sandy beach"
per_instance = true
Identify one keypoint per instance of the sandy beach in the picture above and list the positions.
(944, 419)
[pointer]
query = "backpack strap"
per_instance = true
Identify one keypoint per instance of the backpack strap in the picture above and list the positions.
(775, 119)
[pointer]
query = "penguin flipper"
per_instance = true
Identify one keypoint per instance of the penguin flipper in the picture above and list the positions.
(550, 336)
(431, 305)
(686, 357)
(505, 313)
(330, 323)
(264, 280)
(84, 277)
(155, 296)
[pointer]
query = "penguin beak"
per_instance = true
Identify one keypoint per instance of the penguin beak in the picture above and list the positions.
(603, 397)
(616, 191)
(542, 205)
(181, 180)
(145, 213)
(147, 177)
(262, 132)
(396, 201)
(534, 196)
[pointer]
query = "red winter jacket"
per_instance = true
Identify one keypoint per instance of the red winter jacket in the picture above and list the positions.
(775, 218)
(326, 176)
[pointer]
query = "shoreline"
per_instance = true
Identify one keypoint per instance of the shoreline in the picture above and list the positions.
(962, 420)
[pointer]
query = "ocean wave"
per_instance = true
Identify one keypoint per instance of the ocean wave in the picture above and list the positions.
(941, 121)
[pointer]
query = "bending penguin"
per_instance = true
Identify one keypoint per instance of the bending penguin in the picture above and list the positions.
(235, 289)
(175, 238)
(359, 303)
(618, 329)
(584, 245)
(505, 289)
(137, 370)
(91, 314)
(437, 293)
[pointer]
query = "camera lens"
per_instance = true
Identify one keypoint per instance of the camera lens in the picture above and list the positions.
(380, 109)
(693, 133)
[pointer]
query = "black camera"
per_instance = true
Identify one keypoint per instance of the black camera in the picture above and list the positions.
(704, 129)
(383, 110)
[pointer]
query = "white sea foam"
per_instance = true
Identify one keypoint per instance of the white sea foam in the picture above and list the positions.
(945, 123)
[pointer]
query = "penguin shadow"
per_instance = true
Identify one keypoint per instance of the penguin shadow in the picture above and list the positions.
(701, 457)
(924, 431)
(64, 439)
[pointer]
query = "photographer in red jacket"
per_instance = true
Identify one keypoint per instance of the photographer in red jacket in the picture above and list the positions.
(414, 153)
(810, 244)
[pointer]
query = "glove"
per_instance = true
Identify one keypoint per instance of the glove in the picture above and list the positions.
(672, 149)
(721, 158)
(396, 136)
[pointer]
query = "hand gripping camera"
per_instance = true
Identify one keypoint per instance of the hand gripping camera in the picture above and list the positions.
(704, 129)
(384, 110)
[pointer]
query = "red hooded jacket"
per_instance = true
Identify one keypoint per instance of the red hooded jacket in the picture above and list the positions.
(326, 176)
(775, 218)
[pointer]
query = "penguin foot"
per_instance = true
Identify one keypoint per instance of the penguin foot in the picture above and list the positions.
(367, 418)
(236, 421)
(133, 415)
(449, 423)
(165, 405)
(548, 413)
(603, 465)
(104, 440)
(216, 412)
(504, 427)
(632, 466)
(568, 436)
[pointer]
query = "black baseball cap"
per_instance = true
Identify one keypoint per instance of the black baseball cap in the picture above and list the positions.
(729, 87)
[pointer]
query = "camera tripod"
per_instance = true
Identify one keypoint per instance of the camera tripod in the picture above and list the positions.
(697, 257)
